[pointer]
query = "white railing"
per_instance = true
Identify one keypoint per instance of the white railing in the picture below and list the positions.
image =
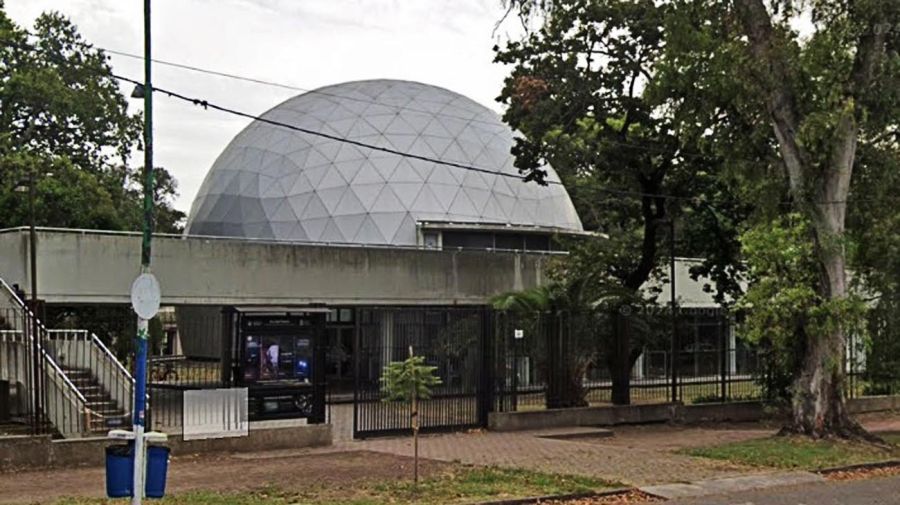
(122, 388)
(65, 406)
(83, 350)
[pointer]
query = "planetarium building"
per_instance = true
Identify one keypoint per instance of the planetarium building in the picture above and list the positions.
(408, 214)
(334, 233)
(325, 167)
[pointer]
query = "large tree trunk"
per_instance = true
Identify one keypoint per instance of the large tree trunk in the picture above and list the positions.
(818, 402)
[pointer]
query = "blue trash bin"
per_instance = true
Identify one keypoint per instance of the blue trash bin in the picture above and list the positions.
(157, 466)
(119, 470)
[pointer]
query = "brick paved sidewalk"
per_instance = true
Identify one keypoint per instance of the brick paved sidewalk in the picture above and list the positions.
(635, 465)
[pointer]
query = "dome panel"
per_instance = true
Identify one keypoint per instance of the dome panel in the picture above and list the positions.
(273, 182)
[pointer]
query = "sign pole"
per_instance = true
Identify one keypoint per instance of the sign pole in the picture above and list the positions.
(144, 296)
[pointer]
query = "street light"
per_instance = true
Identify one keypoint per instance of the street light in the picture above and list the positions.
(145, 290)
(28, 185)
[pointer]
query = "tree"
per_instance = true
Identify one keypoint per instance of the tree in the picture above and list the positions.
(792, 117)
(409, 381)
(62, 113)
(811, 104)
(603, 324)
(581, 91)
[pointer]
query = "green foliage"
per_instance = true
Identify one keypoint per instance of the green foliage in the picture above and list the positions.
(64, 122)
(401, 381)
(594, 306)
(782, 305)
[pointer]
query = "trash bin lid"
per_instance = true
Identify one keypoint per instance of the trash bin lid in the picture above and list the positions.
(120, 435)
(157, 437)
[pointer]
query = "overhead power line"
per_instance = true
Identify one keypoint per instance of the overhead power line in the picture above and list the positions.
(642, 146)
(648, 147)
(290, 87)
(206, 104)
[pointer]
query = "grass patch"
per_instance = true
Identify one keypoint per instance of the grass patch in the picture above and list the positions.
(797, 452)
(891, 438)
(459, 486)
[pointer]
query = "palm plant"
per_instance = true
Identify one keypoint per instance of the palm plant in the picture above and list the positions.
(601, 326)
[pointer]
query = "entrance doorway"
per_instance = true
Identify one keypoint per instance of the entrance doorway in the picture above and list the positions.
(340, 329)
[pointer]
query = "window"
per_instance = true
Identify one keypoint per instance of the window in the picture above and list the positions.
(431, 239)
(468, 240)
(537, 242)
(512, 241)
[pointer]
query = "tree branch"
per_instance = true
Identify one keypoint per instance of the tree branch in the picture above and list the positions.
(781, 102)
(869, 52)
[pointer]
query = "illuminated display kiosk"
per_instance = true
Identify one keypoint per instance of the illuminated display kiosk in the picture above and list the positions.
(278, 355)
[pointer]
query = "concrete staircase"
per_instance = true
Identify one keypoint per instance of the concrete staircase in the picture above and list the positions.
(107, 413)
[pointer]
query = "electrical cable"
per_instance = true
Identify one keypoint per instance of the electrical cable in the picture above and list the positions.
(206, 104)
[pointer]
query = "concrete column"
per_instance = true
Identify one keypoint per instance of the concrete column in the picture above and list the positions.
(387, 337)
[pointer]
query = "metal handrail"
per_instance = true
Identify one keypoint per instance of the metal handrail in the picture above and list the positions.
(30, 316)
(62, 374)
(100, 345)
(111, 356)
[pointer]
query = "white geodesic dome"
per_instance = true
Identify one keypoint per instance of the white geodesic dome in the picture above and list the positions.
(272, 182)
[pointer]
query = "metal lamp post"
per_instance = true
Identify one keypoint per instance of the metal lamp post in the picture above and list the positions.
(37, 363)
(145, 291)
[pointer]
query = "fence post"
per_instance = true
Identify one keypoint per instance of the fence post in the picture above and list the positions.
(515, 363)
(485, 395)
(550, 332)
(723, 359)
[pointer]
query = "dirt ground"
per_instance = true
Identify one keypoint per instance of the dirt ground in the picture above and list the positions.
(289, 470)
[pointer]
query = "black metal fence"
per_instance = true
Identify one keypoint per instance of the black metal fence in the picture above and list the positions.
(450, 339)
(558, 360)
(488, 361)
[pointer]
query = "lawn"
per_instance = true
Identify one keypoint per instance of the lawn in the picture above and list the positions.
(798, 453)
(457, 486)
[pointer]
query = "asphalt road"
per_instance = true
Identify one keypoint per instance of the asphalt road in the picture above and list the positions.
(876, 491)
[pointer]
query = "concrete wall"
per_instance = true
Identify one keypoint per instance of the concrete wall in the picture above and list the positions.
(663, 412)
(98, 267)
(587, 416)
(24, 452)
(14, 257)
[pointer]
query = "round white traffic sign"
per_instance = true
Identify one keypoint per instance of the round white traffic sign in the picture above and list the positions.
(145, 296)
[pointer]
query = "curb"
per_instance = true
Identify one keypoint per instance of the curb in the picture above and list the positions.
(569, 496)
(735, 484)
(862, 466)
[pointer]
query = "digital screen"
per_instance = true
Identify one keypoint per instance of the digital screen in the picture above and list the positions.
(277, 357)
(251, 359)
(302, 359)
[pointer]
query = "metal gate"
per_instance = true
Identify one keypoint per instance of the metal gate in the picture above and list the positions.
(451, 339)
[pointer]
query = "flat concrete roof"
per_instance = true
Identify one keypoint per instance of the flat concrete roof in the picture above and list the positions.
(95, 266)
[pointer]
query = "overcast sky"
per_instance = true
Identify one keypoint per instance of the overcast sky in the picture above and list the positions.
(303, 43)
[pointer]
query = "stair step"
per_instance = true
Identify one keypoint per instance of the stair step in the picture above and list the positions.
(98, 400)
(77, 372)
(104, 417)
(101, 404)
